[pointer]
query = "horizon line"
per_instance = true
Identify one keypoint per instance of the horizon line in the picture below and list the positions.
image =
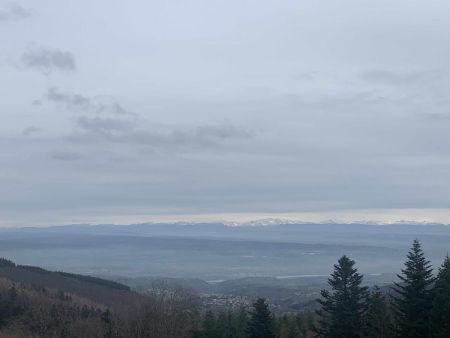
(366, 216)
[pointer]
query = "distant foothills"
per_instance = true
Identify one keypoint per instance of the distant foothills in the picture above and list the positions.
(253, 222)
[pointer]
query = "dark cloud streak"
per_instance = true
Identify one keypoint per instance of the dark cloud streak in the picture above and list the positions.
(103, 125)
(77, 102)
(64, 155)
(110, 122)
(31, 130)
(70, 100)
(47, 60)
(14, 12)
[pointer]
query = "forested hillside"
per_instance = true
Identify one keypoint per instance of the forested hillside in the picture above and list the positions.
(38, 303)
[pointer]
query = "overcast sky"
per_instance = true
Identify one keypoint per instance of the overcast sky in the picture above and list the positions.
(139, 110)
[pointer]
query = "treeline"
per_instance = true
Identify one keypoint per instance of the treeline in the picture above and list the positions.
(259, 322)
(417, 306)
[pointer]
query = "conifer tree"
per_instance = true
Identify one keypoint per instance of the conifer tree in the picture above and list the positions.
(440, 312)
(304, 323)
(210, 325)
(293, 331)
(261, 324)
(343, 307)
(225, 324)
(377, 319)
(287, 327)
(241, 323)
(412, 298)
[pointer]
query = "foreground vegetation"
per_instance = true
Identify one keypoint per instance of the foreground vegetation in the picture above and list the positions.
(418, 305)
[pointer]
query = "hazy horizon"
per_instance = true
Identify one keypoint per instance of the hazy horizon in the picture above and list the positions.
(385, 216)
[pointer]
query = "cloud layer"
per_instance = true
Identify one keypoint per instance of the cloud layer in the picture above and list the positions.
(163, 108)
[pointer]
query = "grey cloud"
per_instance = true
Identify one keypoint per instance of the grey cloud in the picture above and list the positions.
(207, 135)
(113, 123)
(173, 137)
(14, 12)
(111, 107)
(221, 131)
(30, 130)
(74, 101)
(64, 155)
(103, 125)
(47, 60)
(70, 100)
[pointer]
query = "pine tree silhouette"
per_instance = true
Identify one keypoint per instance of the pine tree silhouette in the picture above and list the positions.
(377, 319)
(261, 324)
(412, 295)
(440, 312)
(343, 307)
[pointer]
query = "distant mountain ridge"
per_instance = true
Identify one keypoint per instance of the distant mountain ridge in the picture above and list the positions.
(285, 221)
(263, 222)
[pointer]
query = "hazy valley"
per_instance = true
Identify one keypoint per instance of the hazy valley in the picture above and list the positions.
(215, 252)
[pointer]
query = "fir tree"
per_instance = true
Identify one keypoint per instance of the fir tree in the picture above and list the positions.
(210, 326)
(287, 327)
(261, 324)
(225, 324)
(304, 323)
(241, 323)
(377, 319)
(440, 312)
(343, 307)
(412, 298)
